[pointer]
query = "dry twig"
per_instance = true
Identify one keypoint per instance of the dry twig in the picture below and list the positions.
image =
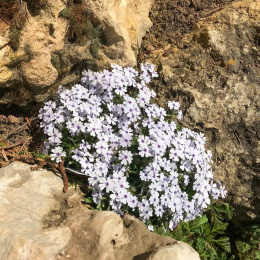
(21, 148)
(12, 145)
(4, 155)
(3, 140)
(64, 175)
(37, 167)
(20, 128)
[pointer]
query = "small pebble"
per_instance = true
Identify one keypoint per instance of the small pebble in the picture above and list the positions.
(3, 119)
(12, 120)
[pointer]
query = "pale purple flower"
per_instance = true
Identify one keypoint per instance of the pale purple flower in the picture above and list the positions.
(144, 151)
(109, 118)
(57, 153)
(174, 105)
(126, 157)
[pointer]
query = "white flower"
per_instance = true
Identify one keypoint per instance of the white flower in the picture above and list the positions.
(126, 157)
(150, 227)
(144, 151)
(57, 153)
(126, 147)
(174, 105)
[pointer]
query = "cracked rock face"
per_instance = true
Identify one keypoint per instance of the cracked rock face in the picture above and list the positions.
(43, 39)
(40, 222)
(215, 76)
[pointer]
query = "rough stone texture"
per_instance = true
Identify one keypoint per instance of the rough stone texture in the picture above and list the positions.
(177, 251)
(25, 197)
(109, 237)
(39, 70)
(39, 222)
(124, 23)
(214, 73)
(5, 52)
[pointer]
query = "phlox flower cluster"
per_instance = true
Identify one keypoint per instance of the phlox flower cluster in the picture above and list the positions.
(132, 151)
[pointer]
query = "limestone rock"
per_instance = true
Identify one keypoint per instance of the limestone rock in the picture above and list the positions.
(216, 79)
(5, 74)
(40, 222)
(39, 71)
(25, 197)
(44, 56)
(5, 53)
(4, 37)
(125, 23)
(104, 235)
(177, 251)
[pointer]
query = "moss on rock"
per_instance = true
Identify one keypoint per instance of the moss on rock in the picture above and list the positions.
(56, 63)
(81, 29)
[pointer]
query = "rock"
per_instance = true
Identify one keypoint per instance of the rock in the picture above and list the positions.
(12, 119)
(3, 119)
(111, 238)
(177, 251)
(105, 235)
(125, 23)
(6, 55)
(216, 79)
(36, 37)
(44, 56)
(166, 72)
(5, 74)
(149, 48)
(25, 197)
(40, 222)
(4, 36)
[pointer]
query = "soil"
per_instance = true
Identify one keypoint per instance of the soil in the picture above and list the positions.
(172, 19)
(19, 139)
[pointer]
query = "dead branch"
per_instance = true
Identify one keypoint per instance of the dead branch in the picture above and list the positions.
(37, 167)
(12, 145)
(64, 175)
(19, 129)
(21, 148)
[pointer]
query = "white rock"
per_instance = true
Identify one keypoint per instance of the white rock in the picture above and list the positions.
(177, 251)
(25, 197)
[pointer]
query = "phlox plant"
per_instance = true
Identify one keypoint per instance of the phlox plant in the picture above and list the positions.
(135, 155)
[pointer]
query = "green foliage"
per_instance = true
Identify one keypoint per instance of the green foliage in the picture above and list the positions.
(205, 234)
(209, 236)
(35, 6)
(94, 47)
(249, 245)
(55, 61)
(14, 35)
(38, 155)
(13, 61)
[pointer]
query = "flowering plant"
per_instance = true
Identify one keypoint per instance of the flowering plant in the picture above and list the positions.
(134, 154)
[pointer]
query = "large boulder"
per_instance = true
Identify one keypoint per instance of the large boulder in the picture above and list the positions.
(25, 197)
(214, 73)
(40, 222)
